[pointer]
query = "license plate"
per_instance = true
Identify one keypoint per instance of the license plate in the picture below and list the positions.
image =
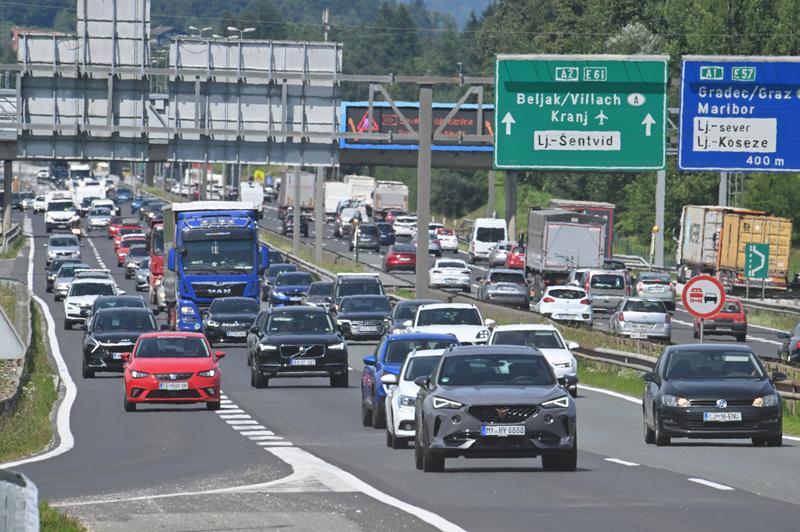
(172, 386)
(116, 356)
(237, 334)
(450, 281)
(640, 327)
(567, 316)
(503, 431)
(403, 259)
(302, 362)
(639, 336)
(722, 416)
(724, 329)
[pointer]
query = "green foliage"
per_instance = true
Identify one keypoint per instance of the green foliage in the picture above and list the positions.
(454, 194)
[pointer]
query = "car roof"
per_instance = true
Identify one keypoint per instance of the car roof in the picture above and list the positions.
(437, 306)
(525, 327)
(172, 334)
(86, 280)
(80, 265)
(297, 309)
(365, 296)
(506, 270)
(471, 350)
(710, 347)
(419, 336)
(232, 298)
(418, 302)
(426, 353)
(322, 283)
(607, 272)
(564, 287)
(63, 235)
(120, 298)
(124, 310)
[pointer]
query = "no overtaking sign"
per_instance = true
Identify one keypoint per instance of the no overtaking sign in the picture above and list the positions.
(703, 296)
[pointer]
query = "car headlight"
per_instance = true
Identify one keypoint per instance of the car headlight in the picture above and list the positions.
(212, 323)
(139, 374)
(484, 334)
(767, 400)
(186, 309)
(408, 401)
(207, 373)
(279, 295)
(674, 401)
(446, 404)
(51, 254)
(565, 364)
(561, 402)
(337, 347)
(267, 347)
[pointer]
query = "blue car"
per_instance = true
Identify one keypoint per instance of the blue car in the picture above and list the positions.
(136, 204)
(389, 358)
(290, 288)
(271, 274)
(124, 195)
(386, 234)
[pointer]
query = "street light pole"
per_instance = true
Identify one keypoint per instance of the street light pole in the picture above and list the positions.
(241, 31)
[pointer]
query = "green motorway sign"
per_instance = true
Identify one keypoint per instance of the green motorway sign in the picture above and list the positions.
(756, 261)
(580, 112)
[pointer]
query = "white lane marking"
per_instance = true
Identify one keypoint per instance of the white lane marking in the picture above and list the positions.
(715, 485)
(96, 254)
(621, 462)
(66, 440)
(260, 438)
(749, 337)
(232, 409)
(235, 416)
(249, 433)
(240, 422)
(274, 443)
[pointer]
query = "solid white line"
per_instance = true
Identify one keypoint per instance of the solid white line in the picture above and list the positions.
(716, 486)
(66, 440)
(259, 438)
(621, 462)
(257, 433)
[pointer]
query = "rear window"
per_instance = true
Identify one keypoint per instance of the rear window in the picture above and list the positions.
(444, 232)
(361, 287)
(566, 294)
(655, 279)
(732, 307)
(507, 277)
(490, 234)
(608, 282)
(371, 230)
(645, 306)
(404, 248)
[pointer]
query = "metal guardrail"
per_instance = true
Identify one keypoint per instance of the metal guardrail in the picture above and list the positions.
(9, 236)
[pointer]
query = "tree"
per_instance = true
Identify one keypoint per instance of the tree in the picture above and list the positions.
(454, 194)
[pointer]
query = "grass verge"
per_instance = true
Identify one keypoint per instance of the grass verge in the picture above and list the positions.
(8, 300)
(51, 520)
(767, 318)
(28, 429)
(339, 266)
(13, 251)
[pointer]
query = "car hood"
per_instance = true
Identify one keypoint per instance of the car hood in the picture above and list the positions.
(73, 250)
(291, 288)
(464, 333)
(81, 300)
(500, 395)
(228, 318)
(408, 388)
(172, 365)
(117, 337)
(555, 356)
(718, 389)
(318, 299)
(304, 339)
(362, 315)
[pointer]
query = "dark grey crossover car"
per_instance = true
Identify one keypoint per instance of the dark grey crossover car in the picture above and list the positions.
(495, 401)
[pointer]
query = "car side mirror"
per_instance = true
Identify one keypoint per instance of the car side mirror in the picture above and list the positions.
(254, 329)
(164, 327)
(778, 376)
(407, 324)
(369, 360)
(220, 354)
(389, 379)
(125, 357)
(562, 381)
(328, 299)
(572, 346)
(650, 376)
(489, 323)
(783, 335)
(121, 292)
(423, 382)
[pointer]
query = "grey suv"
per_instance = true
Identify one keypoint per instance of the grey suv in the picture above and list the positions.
(63, 247)
(495, 401)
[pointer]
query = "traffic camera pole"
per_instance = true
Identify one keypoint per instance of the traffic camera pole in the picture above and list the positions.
(424, 188)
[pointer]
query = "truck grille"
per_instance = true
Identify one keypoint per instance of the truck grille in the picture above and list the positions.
(502, 413)
(212, 290)
(302, 351)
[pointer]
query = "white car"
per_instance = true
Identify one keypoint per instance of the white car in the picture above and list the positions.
(405, 226)
(462, 320)
(81, 296)
(450, 273)
(402, 396)
(447, 239)
(565, 303)
(106, 203)
(38, 204)
(549, 341)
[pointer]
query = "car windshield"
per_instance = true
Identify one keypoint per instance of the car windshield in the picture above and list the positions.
(732, 307)
(60, 206)
(69, 270)
(100, 211)
(398, 350)
(538, 339)
(222, 255)
(119, 302)
(496, 370)
(645, 306)
(234, 306)
(368, 230)
(445, 232)
(63, 242)
(124, 321)
(273, 271)
(91, 289)
(57, 264)
(321, 289)
(490, 234)
(299, 323)
(366, 304)
(171, 347)
(133, 242)
(406, 310)
(420, 367)
(451, 264)
(275, 257)
(129, 230)
(138, 251)
(294, 279)
(449, 316)
(609, 282)
(507, 277)
(385, 228)
(562, 293)
(144, 265)
(712, 365)
(360, 288)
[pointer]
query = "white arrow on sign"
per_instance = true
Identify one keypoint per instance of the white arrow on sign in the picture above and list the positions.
(508, 120)
(648, 123)
(757, 253)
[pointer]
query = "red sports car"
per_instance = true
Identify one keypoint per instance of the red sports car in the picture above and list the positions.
(172, 367)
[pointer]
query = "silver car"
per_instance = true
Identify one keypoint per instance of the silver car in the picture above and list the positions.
(143, 276)
(654, 285)
(642, 319)
(434, 246)
(498, 254)
(504, 286)
(64, 278)
(63, 246)
(98, 218)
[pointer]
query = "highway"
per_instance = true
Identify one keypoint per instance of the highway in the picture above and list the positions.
(295, 455)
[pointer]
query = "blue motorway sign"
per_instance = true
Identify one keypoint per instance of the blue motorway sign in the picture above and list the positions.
(740, 113)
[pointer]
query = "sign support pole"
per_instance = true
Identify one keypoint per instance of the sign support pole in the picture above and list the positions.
(296, 213)
(319, 214)
(424, 188)
(661, 187)
(763, 283)
(747, 288)
(702, 329)
(511, 204)
(490, 205)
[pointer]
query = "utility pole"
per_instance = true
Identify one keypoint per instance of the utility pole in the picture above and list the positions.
(661, 188)
(491, 205)
(325, 23)
(296, 213)
(424, 187)
(319, 214)
(722, 198)
(511, 204)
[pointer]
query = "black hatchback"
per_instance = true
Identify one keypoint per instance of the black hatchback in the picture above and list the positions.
(712, 391)
(229, 319)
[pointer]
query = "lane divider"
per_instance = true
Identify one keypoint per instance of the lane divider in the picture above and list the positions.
(621, 462)
(715, 485)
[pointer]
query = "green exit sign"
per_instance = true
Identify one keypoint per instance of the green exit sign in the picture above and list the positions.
(712, 73)
(743, 73)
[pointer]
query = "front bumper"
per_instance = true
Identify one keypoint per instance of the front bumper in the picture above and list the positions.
(77, 316)
(688, 422)
(403, 421)
(224, 334)
(106, 359)
(147, 390)
(271, 364)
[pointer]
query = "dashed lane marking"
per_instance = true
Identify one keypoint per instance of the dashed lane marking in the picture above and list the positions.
(715, 485)
(621, 462)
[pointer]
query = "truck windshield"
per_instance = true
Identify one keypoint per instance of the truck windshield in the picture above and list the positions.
(60, 206)
(208, 257)
(157, 242)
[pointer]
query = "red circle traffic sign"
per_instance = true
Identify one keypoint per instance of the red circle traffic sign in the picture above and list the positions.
(703, 296)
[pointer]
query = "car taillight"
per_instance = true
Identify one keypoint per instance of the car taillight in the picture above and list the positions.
(586, 288)
(621, 317)
(465, 272)
(798, 345)
(549, 299)
(586, 301)
(640, 287)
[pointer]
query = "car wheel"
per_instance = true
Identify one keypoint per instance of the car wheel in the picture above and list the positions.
(466, 290)
(561, 460)
(661, 439)
(366, 415)
(432, 462)
(649, 434)
(57, 297)
(774, 441)
(470, 259)
(67, 325)
(379, 416)
(574, 392)
(213, 405)
(127, 275)
(741, 337)
(417, 452)
(128, 405)
(257, 380)
(86, 371)
(340, 381)
(49, 289)
(399, 443)
(695, 333)
(390, 439)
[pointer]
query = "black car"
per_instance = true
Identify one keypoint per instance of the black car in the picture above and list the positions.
(356, 284)
(789, 351)
(271, 274)
(86, 205)
(367, 237)
(229, 319)
(53, 268)
(404, 311)
(320, 294)
(103, 302)
(276, 257)
(387, 236)
(111, 332)
(363, 317)
(296, 342)
(287, 226)
(151, 210)
(712, 391)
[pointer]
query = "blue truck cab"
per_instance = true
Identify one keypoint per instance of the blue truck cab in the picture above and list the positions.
(211, 250)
